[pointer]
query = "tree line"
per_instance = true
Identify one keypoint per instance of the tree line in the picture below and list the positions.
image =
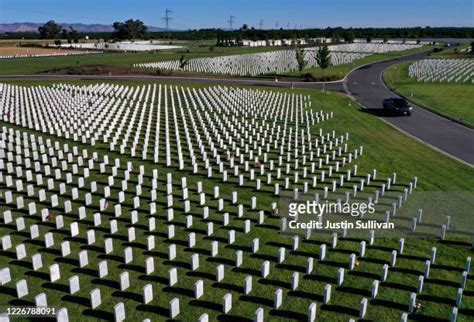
(136, 29)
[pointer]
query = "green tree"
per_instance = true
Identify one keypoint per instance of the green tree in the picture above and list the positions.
(183, 61)
(385, 39)
(73, 34)
(49, 30)
(300, 58)
(472, 47)
(348, 36)
(323, 58)
(369, 39)
(130, 29)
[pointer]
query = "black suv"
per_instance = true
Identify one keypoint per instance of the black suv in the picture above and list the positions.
(397, 106)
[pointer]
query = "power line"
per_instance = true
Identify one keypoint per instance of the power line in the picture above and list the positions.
(167, 18)
(231, 22)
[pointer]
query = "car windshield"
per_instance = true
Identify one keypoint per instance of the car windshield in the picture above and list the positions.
(400, 103)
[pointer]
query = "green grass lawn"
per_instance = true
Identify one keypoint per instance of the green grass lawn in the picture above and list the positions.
(454, 101)
(385, 149)
(454, 52)
(23, 66)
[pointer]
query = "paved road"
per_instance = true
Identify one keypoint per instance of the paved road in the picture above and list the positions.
(366, 86)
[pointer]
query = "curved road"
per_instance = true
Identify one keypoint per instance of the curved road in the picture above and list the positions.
(364, 84)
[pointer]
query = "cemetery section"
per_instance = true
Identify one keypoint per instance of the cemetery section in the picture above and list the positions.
(275, 62)
(123, 46)
(158, 201)
(443, 70)
(26, 52)
(444, 86)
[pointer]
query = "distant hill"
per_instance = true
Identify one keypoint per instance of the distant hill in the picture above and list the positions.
(33, 27)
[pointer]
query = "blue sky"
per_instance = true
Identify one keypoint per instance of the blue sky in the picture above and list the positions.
(215, 13)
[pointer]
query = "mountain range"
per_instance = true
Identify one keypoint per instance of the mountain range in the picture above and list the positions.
(80, 27)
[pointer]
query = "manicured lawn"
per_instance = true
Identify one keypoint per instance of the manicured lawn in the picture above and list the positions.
(454, 52)
(385, 149)
(454, 101)
(24, 66)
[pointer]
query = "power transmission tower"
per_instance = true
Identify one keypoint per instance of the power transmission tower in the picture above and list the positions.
(288, 26)
(167, 18)
(260, 24)
(277, 24)
(231, 22)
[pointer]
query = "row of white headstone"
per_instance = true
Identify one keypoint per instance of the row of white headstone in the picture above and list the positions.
(122, 46)
(273, 62)
(443, 70)
(53, 54)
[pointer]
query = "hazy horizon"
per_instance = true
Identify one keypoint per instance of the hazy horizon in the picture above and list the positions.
(215, 14)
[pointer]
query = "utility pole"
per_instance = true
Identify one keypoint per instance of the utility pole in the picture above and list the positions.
(260, 24)
(167, 18)
(231, 22)
(288, 26)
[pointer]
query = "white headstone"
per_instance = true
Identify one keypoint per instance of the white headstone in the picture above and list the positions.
(219, 272)
(119, 312)
(83, 258)
(147, 293)
(248, 285)
(363, 308)
(312, 312)
(375, 288)
(174, 308)
(340, 276)
(54, 273)
(74, 286)
(41, 300)
(265, 269)
(278, 298)
(198, 289)
(173, 276)
(327, 294)
(95, 298)
(5, 275)
(227, 303)
(21, 288)
(124, 281)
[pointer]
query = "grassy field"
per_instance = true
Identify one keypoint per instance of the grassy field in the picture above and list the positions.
(339, 71)
(384, 148)
(22, 66)
(454, 101)
(454, 52)
(25, 66)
